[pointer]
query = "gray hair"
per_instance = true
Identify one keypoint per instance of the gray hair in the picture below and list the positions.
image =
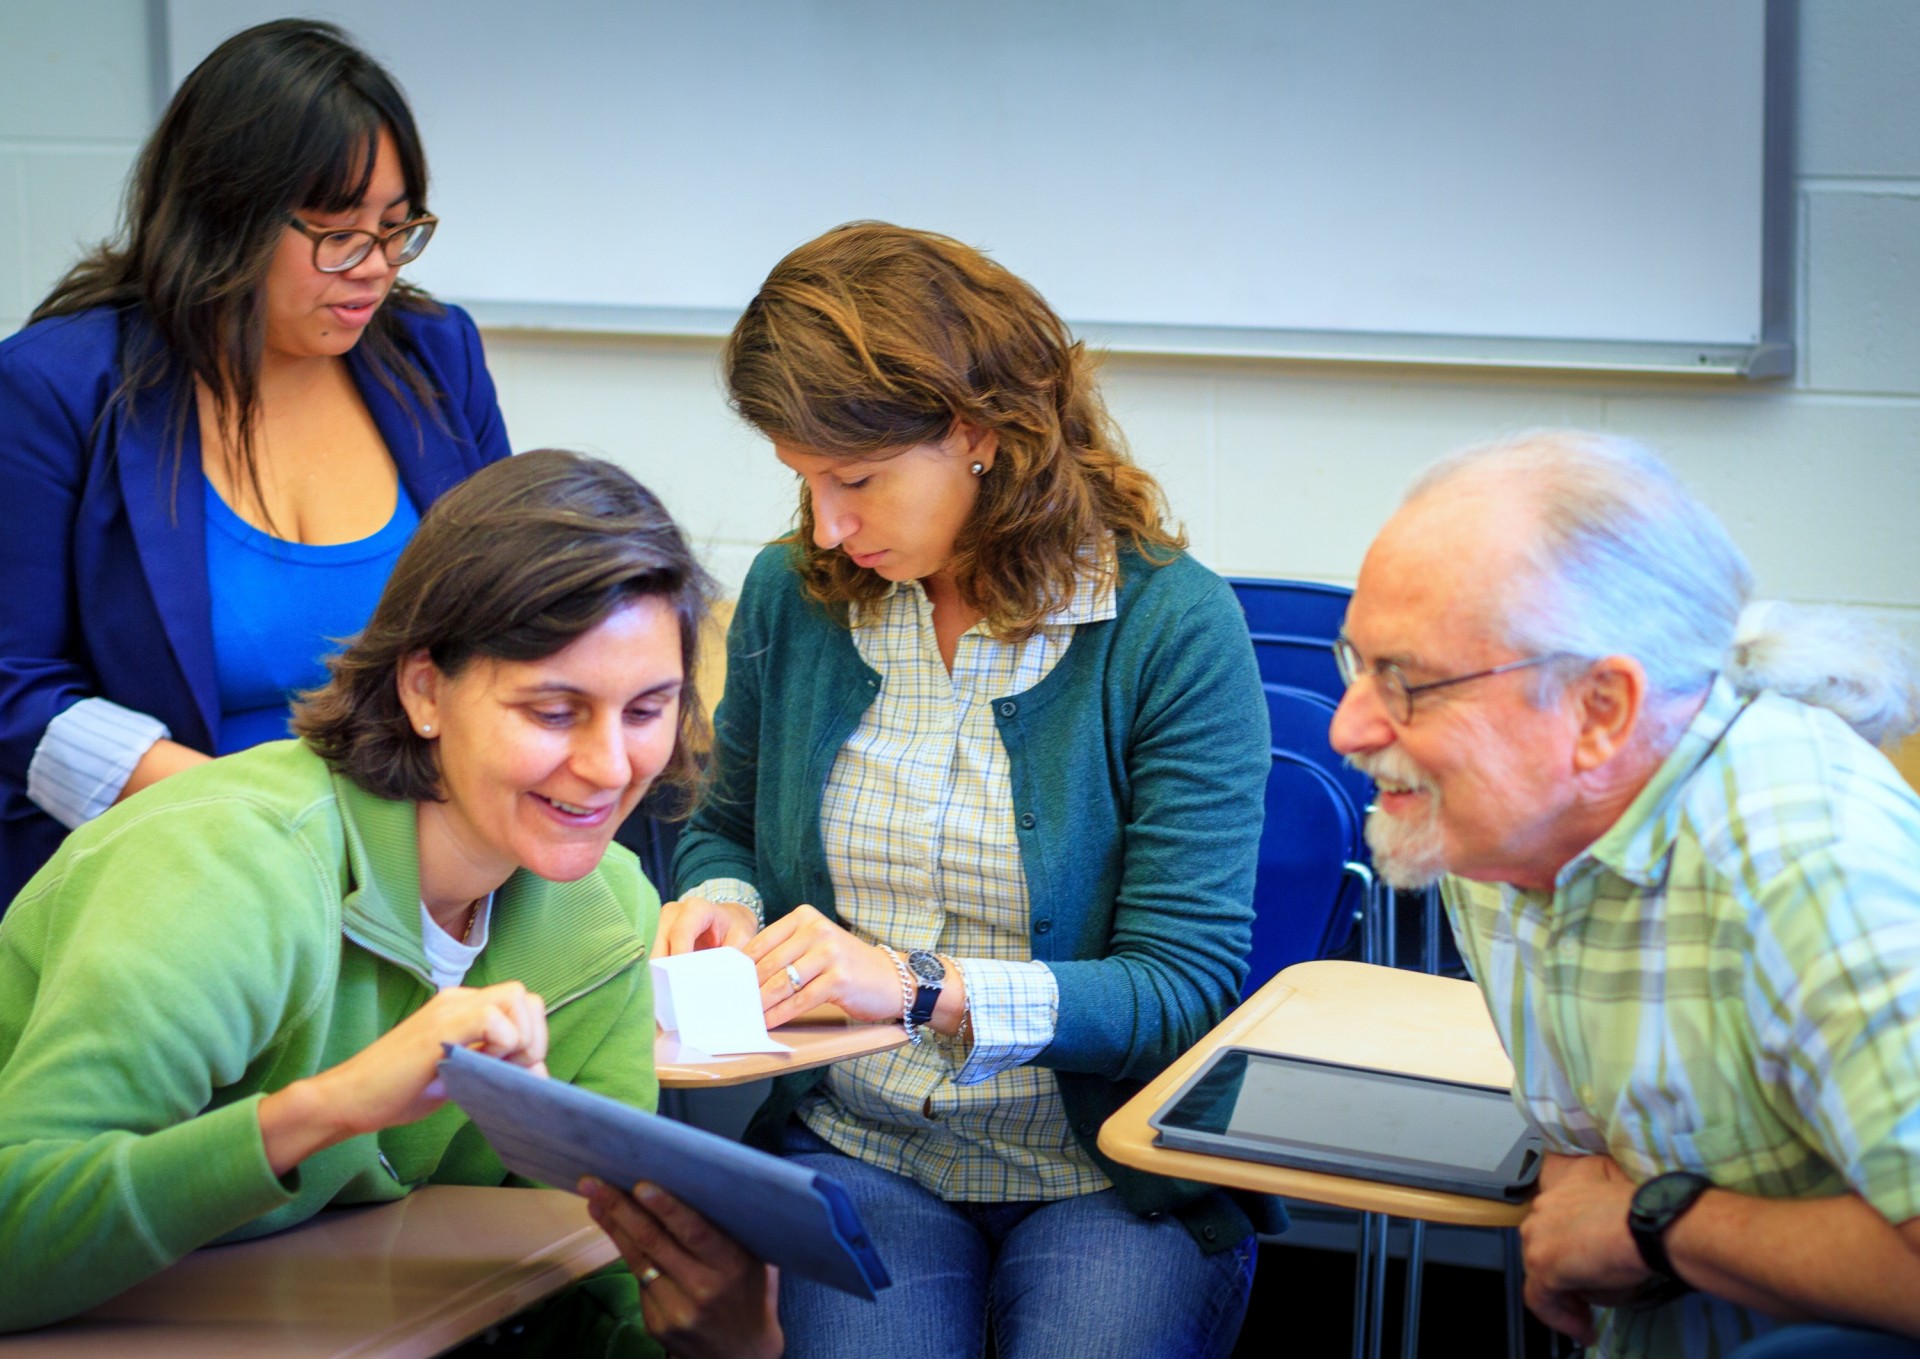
(1627, 561)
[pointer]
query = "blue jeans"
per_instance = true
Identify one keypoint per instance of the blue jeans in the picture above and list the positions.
(1828, 1342)
(1080, 1278)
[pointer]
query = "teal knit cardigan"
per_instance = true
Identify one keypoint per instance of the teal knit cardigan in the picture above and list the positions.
(1139, 769)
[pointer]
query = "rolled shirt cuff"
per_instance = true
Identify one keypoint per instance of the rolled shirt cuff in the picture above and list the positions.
(86, 757)
(737, 890)
(1015, 1008)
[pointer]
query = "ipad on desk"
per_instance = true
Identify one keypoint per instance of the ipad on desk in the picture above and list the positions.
(1354, 1121)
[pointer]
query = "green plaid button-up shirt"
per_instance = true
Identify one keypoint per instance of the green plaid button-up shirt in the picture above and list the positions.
(1727, 981)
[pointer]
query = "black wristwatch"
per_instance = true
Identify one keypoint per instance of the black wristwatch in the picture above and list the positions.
(929, 975)
(1656, 1206)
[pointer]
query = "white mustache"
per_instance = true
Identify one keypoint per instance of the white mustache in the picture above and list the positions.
(1392, 768)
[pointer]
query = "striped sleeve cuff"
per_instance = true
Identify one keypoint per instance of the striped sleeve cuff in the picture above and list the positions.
(736, 890)
(1015, 1008)
(86, 757)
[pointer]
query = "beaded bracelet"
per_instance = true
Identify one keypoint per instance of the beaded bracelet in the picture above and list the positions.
(907, 990)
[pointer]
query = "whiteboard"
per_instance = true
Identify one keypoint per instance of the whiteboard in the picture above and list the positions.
(1520, 176)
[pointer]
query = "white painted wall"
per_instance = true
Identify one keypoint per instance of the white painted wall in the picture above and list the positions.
(1277, 469)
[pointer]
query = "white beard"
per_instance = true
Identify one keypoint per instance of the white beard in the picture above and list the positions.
(1409, 854)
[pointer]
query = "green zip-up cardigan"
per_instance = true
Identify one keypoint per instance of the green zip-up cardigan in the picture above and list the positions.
(237, 927)
(1139, 768)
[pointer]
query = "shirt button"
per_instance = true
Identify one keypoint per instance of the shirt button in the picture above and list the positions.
(1026, 821)
(1042, 926)
(1210, 1232)
(1009, 708)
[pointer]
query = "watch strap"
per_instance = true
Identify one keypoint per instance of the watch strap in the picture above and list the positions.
(925, 995)
(1648, 1226)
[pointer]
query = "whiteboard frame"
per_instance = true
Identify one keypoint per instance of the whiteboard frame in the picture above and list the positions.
(1772, 357)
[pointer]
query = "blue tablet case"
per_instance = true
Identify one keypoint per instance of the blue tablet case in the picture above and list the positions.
(555, 1133)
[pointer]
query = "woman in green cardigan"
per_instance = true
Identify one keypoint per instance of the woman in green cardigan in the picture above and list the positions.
(991, 762)
(222, 1002)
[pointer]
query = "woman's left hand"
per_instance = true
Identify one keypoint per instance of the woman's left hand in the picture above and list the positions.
(833, 968)
(700, 1293)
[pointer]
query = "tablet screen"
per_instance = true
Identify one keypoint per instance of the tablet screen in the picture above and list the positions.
(1292, 1102)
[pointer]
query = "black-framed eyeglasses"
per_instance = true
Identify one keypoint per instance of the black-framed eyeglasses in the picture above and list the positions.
(1396, 694)
(335, 252)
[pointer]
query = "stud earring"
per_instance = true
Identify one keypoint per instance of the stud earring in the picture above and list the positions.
(978, 468)
(426, 728)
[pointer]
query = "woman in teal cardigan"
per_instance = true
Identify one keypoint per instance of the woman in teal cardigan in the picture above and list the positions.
(222, 1002)
(990, 761)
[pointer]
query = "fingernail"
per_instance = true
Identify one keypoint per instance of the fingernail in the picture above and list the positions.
(646, 1193)
(589, 1187)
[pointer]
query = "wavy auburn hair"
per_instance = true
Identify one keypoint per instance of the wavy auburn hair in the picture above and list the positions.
(874, 338)
(514, 563)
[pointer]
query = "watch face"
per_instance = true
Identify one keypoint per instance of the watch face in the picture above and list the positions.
(926, 967)
(1665, 1193)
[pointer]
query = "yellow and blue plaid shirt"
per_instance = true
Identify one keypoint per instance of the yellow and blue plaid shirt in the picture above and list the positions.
(918, 826)
(1727, 982)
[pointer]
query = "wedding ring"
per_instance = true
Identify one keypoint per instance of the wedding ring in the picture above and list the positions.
(648, 1275)
(793, 977)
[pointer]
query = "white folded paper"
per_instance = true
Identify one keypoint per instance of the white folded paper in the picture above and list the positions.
(712, 1000)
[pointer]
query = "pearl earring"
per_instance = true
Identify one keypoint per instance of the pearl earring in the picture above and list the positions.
(426, 728)
(978, 468)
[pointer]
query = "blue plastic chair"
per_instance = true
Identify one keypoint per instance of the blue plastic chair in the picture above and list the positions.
(1294, 624)
(1312, 880)
(1299, 663)
(1302, 722)
(1303, 607)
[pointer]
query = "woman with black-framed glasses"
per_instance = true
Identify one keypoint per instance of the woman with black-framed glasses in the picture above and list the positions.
(219, 430)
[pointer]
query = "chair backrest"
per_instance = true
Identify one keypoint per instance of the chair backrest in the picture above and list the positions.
(1303, 607)
(1305, 892)
(1298, 662)
(1302, 721)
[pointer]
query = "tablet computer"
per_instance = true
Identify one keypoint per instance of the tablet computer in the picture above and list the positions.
(1354, 1121)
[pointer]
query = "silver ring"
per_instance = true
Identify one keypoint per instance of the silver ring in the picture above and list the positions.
(648, 1275)
(793, 977)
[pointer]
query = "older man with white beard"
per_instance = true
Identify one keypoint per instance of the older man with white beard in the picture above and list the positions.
(1690, 892)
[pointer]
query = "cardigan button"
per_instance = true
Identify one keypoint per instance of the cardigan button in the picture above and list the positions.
(1042, 926)
(1026, 821)
(1210, 1232)
(1009, 708)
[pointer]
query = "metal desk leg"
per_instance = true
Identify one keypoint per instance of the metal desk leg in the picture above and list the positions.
(1516, 1293)
(1369, 1285)
(1410, 1308)
(1362, 1275)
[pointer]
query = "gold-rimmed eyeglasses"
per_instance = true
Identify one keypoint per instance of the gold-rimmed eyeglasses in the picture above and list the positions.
(335, 252)
(1396, 694)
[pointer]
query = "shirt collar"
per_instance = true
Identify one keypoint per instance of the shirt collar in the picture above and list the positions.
(1095, 597)
(1637, 845)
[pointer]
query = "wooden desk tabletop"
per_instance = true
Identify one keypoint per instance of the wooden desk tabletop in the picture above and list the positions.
(399, 1281)
(1341, 1012)
(817, 1038)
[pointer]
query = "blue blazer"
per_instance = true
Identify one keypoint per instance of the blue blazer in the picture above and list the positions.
(103, 564)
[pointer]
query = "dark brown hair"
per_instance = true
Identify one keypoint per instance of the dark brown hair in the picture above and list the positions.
(874, 338)
(282, 116)
(513, 564)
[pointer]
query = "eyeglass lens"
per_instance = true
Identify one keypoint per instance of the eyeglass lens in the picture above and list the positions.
(338, 251)
(1392, 684)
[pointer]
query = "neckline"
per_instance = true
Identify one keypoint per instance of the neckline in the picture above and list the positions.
(383, 541)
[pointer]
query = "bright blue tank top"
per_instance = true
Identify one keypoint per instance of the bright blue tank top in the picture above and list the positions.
(281, 608)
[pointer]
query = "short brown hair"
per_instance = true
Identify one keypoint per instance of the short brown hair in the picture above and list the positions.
(513, 564)
(874, 338)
